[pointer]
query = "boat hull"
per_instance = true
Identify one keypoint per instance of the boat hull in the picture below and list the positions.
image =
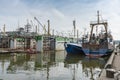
(73, 48)
(97, 53)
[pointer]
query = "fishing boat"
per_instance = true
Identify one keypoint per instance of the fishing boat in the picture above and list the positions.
(73, 48)
(100, 40)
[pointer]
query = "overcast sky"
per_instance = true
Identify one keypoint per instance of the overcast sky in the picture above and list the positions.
(61, 13)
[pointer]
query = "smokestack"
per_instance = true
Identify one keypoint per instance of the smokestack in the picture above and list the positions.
(48, 27)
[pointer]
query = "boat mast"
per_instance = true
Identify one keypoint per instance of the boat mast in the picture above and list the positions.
(98, 17)
(92, 24)
(74, 24)
(98, 21)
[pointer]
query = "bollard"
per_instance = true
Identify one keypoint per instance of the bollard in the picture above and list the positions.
(115, 53)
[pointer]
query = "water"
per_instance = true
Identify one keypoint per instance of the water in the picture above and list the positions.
(49, 66)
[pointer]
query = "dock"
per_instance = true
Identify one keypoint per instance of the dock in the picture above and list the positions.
(111, 70)
(12, 51)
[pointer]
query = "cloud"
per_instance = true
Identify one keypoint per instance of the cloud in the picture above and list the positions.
(61, 13)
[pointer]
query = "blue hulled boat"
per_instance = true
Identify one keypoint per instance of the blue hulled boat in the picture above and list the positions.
(73, 48)
(100, 41)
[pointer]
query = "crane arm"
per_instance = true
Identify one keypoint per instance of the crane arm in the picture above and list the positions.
(40, 24)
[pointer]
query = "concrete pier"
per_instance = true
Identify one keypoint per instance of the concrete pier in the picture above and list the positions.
(111, 70)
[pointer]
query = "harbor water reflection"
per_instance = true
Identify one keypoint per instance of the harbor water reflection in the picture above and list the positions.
(49, 66)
